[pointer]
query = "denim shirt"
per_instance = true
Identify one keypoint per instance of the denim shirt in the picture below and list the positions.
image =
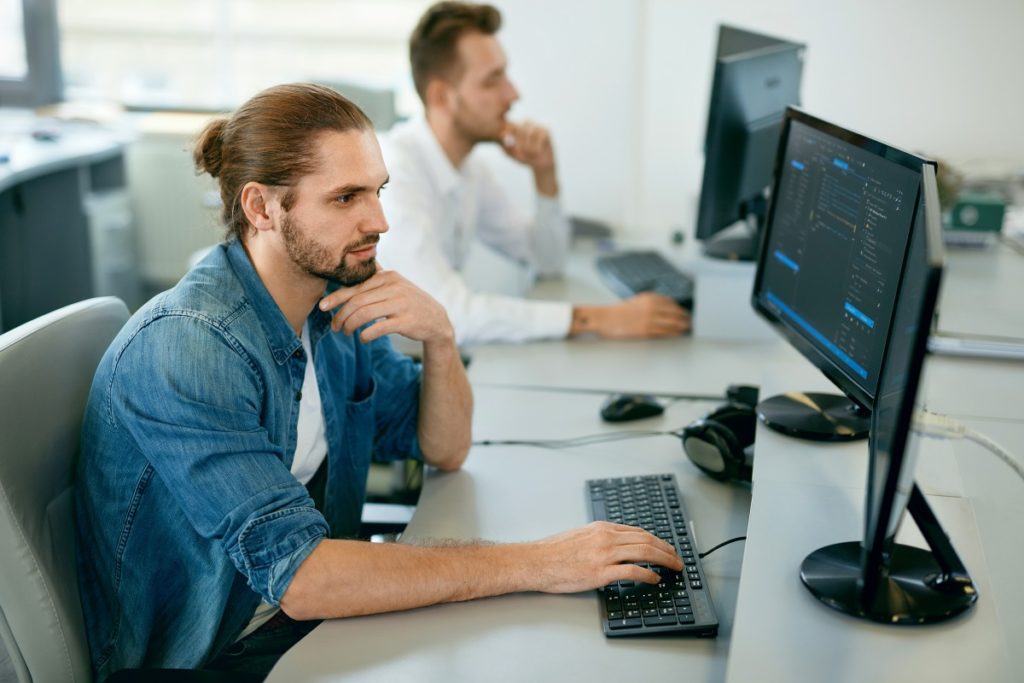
(187, 513)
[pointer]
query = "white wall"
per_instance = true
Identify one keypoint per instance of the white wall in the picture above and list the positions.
(624, 85)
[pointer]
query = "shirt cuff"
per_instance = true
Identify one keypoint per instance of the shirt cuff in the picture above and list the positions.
(273, 546)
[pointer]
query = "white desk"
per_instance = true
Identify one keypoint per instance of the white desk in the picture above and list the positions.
(771, 627)
(519, 493)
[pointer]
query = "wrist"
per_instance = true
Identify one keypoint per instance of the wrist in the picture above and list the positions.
(441, 344)
(585, 320)
(546, 181)
(523, 559)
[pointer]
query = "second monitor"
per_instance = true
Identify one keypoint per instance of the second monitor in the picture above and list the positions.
(756, 77)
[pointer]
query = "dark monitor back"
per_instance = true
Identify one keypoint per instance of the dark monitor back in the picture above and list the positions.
(832, 253)
(756, 77)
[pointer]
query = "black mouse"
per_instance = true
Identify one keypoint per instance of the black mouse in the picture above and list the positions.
(625, 407)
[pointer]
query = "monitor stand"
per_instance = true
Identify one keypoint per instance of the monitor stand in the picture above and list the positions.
(914, 586)
(738, 242)
(818, 417)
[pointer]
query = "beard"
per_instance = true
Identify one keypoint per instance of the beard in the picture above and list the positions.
(476, 129)
(316, 260)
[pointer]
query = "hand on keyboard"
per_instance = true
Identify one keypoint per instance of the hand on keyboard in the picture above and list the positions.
(598, 554)
(645, 315)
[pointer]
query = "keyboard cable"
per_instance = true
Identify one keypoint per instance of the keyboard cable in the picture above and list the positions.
(720, 545)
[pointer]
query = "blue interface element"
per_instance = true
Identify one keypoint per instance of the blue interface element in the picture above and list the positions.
(798, 165)
(839, 163)
(786, 261)
(818, 336)
(858, 314)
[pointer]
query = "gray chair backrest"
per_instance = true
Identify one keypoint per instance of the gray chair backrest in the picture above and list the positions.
(46, 369)
(377, 103)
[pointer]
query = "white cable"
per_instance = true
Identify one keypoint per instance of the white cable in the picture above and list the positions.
(944, 427)
(995, 448)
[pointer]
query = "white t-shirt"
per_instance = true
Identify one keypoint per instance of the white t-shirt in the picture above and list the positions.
(310, 451)
(435, 212)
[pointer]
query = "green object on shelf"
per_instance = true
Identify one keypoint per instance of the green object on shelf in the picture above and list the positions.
(978, 212)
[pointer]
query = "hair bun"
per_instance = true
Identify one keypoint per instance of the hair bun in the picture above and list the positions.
(207, 154)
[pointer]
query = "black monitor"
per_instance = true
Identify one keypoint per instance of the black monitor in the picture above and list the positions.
(877, 578)
(829, 267)
(756, 78)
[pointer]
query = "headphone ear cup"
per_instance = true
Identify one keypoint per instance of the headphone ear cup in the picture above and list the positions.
(739, 419)
(718, 444)
(711, 447)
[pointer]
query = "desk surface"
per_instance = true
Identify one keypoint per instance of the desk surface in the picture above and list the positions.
(75, 145)
(772, 629)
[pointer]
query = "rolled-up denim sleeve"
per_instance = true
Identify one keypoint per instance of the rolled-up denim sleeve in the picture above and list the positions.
(192, 402)
(396, 403)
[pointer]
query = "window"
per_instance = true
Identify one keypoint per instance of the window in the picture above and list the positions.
(13, 60)
(29, 65)
(215, 54)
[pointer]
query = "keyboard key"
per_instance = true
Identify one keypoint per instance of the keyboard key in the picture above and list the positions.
(667, 620)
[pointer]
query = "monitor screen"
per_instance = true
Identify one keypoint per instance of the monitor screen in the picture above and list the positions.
(756, 77)
(832, 253)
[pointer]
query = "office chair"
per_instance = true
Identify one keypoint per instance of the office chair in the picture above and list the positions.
(46, 369)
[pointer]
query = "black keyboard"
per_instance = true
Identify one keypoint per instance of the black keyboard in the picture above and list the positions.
(630, 272)
(681, 602)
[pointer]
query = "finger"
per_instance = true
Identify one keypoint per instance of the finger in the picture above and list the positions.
(664, 331)
(382, 327)
(537, 137)
(638, 537)
(340, 296)
(635, 534)
(630, 572)
(360, 301)
(365, 314)
(615, 526)
(670, 323)
(510, 135)
(646, 552)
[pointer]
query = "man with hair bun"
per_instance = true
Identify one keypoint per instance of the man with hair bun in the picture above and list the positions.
(231, 423)
(443, 196)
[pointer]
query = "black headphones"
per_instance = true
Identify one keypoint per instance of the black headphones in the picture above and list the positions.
(721, 444)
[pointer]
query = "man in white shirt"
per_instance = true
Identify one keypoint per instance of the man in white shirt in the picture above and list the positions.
(442, 197)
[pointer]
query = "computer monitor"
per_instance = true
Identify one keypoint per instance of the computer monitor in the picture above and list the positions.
(829, 267)
(756, 78)
(877, 578)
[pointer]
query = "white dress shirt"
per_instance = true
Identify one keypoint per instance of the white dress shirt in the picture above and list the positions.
(435, 211)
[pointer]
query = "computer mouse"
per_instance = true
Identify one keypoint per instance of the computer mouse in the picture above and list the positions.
(626, 407)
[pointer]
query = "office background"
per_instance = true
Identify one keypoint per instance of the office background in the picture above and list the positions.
(634, 75)
(931, 76)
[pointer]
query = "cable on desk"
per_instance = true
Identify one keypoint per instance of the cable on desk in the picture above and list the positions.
(723, 543)
(585, 440)
(939, 426)
(584, 390)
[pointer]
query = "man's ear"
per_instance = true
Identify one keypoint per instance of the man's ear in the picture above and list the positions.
(257, 201)
(439, 95)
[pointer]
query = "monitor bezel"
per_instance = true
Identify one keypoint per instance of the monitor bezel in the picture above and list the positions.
(792, 334)
(878, 518)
